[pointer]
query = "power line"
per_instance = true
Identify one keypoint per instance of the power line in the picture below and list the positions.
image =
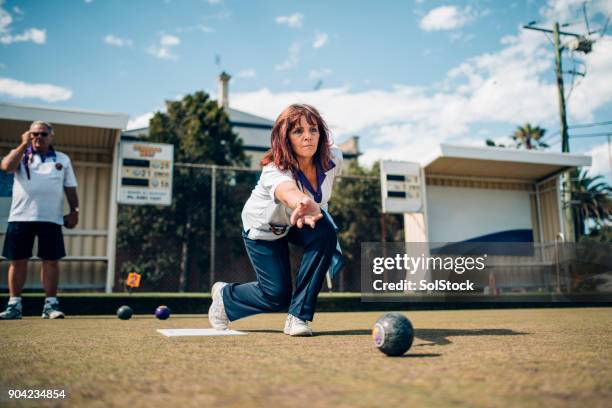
(604, 134)
(585, 125)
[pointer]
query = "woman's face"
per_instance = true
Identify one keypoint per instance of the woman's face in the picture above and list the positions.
(304, 139)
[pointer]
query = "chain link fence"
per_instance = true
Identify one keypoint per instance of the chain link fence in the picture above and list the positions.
(197, 240)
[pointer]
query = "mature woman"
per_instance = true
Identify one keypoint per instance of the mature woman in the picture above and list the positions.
(288, 204)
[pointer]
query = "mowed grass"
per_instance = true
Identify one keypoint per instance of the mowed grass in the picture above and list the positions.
(476, 358)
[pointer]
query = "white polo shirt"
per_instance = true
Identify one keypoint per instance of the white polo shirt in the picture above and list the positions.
(41, 197)
(262, 208)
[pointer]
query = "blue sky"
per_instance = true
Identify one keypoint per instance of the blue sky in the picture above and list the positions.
(404, 75)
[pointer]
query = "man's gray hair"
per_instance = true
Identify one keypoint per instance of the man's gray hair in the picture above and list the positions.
(43, 123)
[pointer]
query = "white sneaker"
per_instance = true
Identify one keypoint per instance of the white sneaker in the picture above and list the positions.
(297, 327)
(216, 314)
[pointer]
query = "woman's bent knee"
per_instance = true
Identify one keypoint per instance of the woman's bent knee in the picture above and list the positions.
(277, 299)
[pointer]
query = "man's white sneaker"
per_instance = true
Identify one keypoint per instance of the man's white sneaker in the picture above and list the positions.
(216, 313)
(297, 327)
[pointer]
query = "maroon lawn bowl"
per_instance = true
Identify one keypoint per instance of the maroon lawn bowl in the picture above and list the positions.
(162, 312)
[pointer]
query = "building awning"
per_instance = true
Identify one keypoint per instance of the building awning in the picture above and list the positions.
(500, 163)
(73, 128)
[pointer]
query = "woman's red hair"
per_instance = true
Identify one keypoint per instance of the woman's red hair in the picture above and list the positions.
(281, 153)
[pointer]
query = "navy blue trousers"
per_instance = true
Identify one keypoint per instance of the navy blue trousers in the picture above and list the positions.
(272, 292)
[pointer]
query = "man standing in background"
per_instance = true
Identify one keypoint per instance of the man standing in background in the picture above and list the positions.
(42, 175)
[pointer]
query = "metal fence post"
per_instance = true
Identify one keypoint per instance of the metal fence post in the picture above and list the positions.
(213, 208)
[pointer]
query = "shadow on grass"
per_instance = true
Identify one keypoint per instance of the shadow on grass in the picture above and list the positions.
(422, 355)
(433, 337)
(260, 331)
(439, 337)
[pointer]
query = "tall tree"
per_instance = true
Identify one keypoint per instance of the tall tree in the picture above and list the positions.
(529, 137)
(591, 200)
(165, 236)
(526, 136)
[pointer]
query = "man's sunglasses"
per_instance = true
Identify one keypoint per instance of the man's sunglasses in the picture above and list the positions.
(42, 134)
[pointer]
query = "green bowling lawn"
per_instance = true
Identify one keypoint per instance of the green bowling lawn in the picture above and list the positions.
(476, 358)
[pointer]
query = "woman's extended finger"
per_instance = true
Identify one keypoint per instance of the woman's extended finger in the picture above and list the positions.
(300, 222)
(296, 214)
(311, 221)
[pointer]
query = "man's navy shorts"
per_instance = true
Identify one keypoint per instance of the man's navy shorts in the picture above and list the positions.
(19, 240)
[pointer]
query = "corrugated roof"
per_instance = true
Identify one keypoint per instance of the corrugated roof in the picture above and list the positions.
(253, 136)
(76, 117)
(244, 117)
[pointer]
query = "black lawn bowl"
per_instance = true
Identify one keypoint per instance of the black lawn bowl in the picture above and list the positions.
(124, 312)
(393, 334)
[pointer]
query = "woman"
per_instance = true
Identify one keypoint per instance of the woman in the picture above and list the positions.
(288, 204)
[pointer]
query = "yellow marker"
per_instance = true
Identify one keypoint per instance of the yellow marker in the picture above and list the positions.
(133, 280)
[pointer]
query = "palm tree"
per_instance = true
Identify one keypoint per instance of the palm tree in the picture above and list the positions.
(591, 200)
(524, 136)
(529, 137)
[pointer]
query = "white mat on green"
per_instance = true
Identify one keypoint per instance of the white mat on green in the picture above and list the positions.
(199, 332)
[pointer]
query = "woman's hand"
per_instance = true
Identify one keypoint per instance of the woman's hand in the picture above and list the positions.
(307, 211)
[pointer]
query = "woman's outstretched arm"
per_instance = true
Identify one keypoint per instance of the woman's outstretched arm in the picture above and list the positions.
(305, 209)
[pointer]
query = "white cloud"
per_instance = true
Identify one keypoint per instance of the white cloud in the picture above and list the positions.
(139, 121)
(88, 1)
(198, 27)
(319, 73)
(111, 39)
(17, 10)
(161, 53)
(293, 21)
(215, 2)
(446, 18)
(596, 88)
(460, 36)
(246, 73)
(5, 20)
(35, 35)
(495, 90)
(601, 161)
(511, 86)
(169, 40)
(163, 50)
(47, 92)
(292, 59)
(320, 40)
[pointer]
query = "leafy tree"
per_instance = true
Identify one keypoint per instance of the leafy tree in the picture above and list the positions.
(356, 209)
(600, 234)
(161, 240)
(526, 136)
(591, 200)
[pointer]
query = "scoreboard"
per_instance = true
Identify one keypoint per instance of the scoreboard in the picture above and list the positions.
(145, 173)
(401, 187)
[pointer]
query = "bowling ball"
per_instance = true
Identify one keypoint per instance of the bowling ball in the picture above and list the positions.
(162, 312)
(124, 312)
(393, 334)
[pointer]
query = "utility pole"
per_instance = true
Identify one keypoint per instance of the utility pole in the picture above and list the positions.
(560, 89)
(579, 43)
